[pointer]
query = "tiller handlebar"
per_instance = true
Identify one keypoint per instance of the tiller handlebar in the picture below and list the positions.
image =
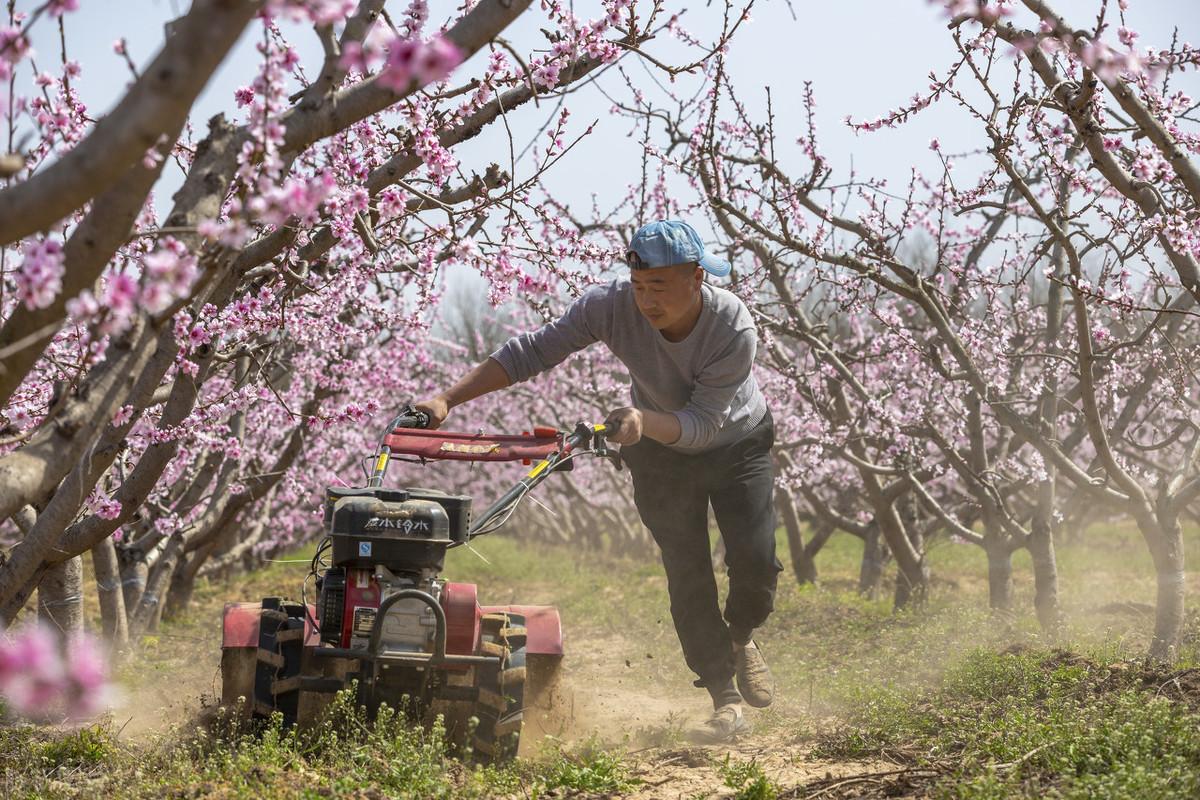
(408, 434)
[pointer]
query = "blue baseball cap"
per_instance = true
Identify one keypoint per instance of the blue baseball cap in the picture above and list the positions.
(668, 242)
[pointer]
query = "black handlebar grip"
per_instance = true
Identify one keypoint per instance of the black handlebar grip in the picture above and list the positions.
(411, 418)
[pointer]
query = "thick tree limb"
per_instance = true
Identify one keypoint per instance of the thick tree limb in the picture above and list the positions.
(31, 473)
(158, 103)
(305, 126)
(87, 251)
(1080, 113)
(34, 470)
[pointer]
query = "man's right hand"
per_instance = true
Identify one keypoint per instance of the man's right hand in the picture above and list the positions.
(437, 408)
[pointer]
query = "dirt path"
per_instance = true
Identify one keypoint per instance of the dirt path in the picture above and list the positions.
(649, 721)
(605, 695)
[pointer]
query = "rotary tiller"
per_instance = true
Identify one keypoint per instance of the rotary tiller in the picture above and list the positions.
(384, 617)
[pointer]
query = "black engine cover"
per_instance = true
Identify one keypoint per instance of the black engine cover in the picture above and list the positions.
(458, 506)
(385, 526)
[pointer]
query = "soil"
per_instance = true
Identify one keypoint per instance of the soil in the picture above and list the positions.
(177, 684)
(606, 696)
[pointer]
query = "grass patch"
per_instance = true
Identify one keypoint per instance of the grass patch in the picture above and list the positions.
(1035, 723)
(587, 768)
(344, 755)
(747, 780)
(84, 749)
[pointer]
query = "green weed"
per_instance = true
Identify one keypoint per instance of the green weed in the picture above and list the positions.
(342, 755)
(587, 768)
(747, 779)
(1031, 724)
(82, 749)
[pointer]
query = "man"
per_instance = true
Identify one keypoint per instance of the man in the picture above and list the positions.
(698, 431)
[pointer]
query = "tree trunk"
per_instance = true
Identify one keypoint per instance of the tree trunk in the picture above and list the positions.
(1045, 565)
(1041, 527)
(183, 584)
(1166, 547)
(909, 589)
(912, 580)
(814, 545)
(112, 599)
(134, 572)
(145, 616)
(803, 565)
(1169, 605)
(1000, 575)
(874, 559)
(60, 596)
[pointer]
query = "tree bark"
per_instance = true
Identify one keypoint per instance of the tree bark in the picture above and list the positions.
(159, 101)
(874, 559)
(60, 596)
(30, 474)
(803, 565)
(1045, 566)
(41, 546)
(1166, 547)
(134, 572)
(112, 600)
(145, 616)
(912, 579)
(183, 583)
(1041, 527)
(1000, 575)
(222, 565)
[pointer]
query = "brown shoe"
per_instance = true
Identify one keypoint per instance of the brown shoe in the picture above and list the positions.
(723, 726)
(753, 676)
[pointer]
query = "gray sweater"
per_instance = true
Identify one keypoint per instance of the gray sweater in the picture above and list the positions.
(705, 380)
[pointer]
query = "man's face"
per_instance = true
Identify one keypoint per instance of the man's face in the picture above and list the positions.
(666, 295)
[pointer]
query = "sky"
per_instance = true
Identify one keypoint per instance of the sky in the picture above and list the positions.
(863, 58)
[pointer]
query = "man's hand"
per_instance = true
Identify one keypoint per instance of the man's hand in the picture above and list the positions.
(437, 408)
(624, 426)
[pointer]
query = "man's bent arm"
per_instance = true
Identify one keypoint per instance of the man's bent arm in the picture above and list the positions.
(661, 426)
(483, 379)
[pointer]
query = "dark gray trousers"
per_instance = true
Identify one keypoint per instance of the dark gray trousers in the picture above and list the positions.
(672, 492)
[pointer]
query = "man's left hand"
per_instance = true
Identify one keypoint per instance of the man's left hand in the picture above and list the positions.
(624, 426)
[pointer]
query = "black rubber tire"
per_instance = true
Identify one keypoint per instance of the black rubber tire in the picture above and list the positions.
(500, 708)
(280, 650)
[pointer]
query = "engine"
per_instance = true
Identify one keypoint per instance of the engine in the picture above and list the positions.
(383, 541)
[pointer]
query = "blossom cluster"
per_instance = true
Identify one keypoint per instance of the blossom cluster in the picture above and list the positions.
(46, 679)
(405, 57)
(39, 279)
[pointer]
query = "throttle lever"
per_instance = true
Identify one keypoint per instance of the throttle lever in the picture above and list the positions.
(600, 446)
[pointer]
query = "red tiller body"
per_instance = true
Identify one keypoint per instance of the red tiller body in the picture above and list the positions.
(362, 601)
(459, 600)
